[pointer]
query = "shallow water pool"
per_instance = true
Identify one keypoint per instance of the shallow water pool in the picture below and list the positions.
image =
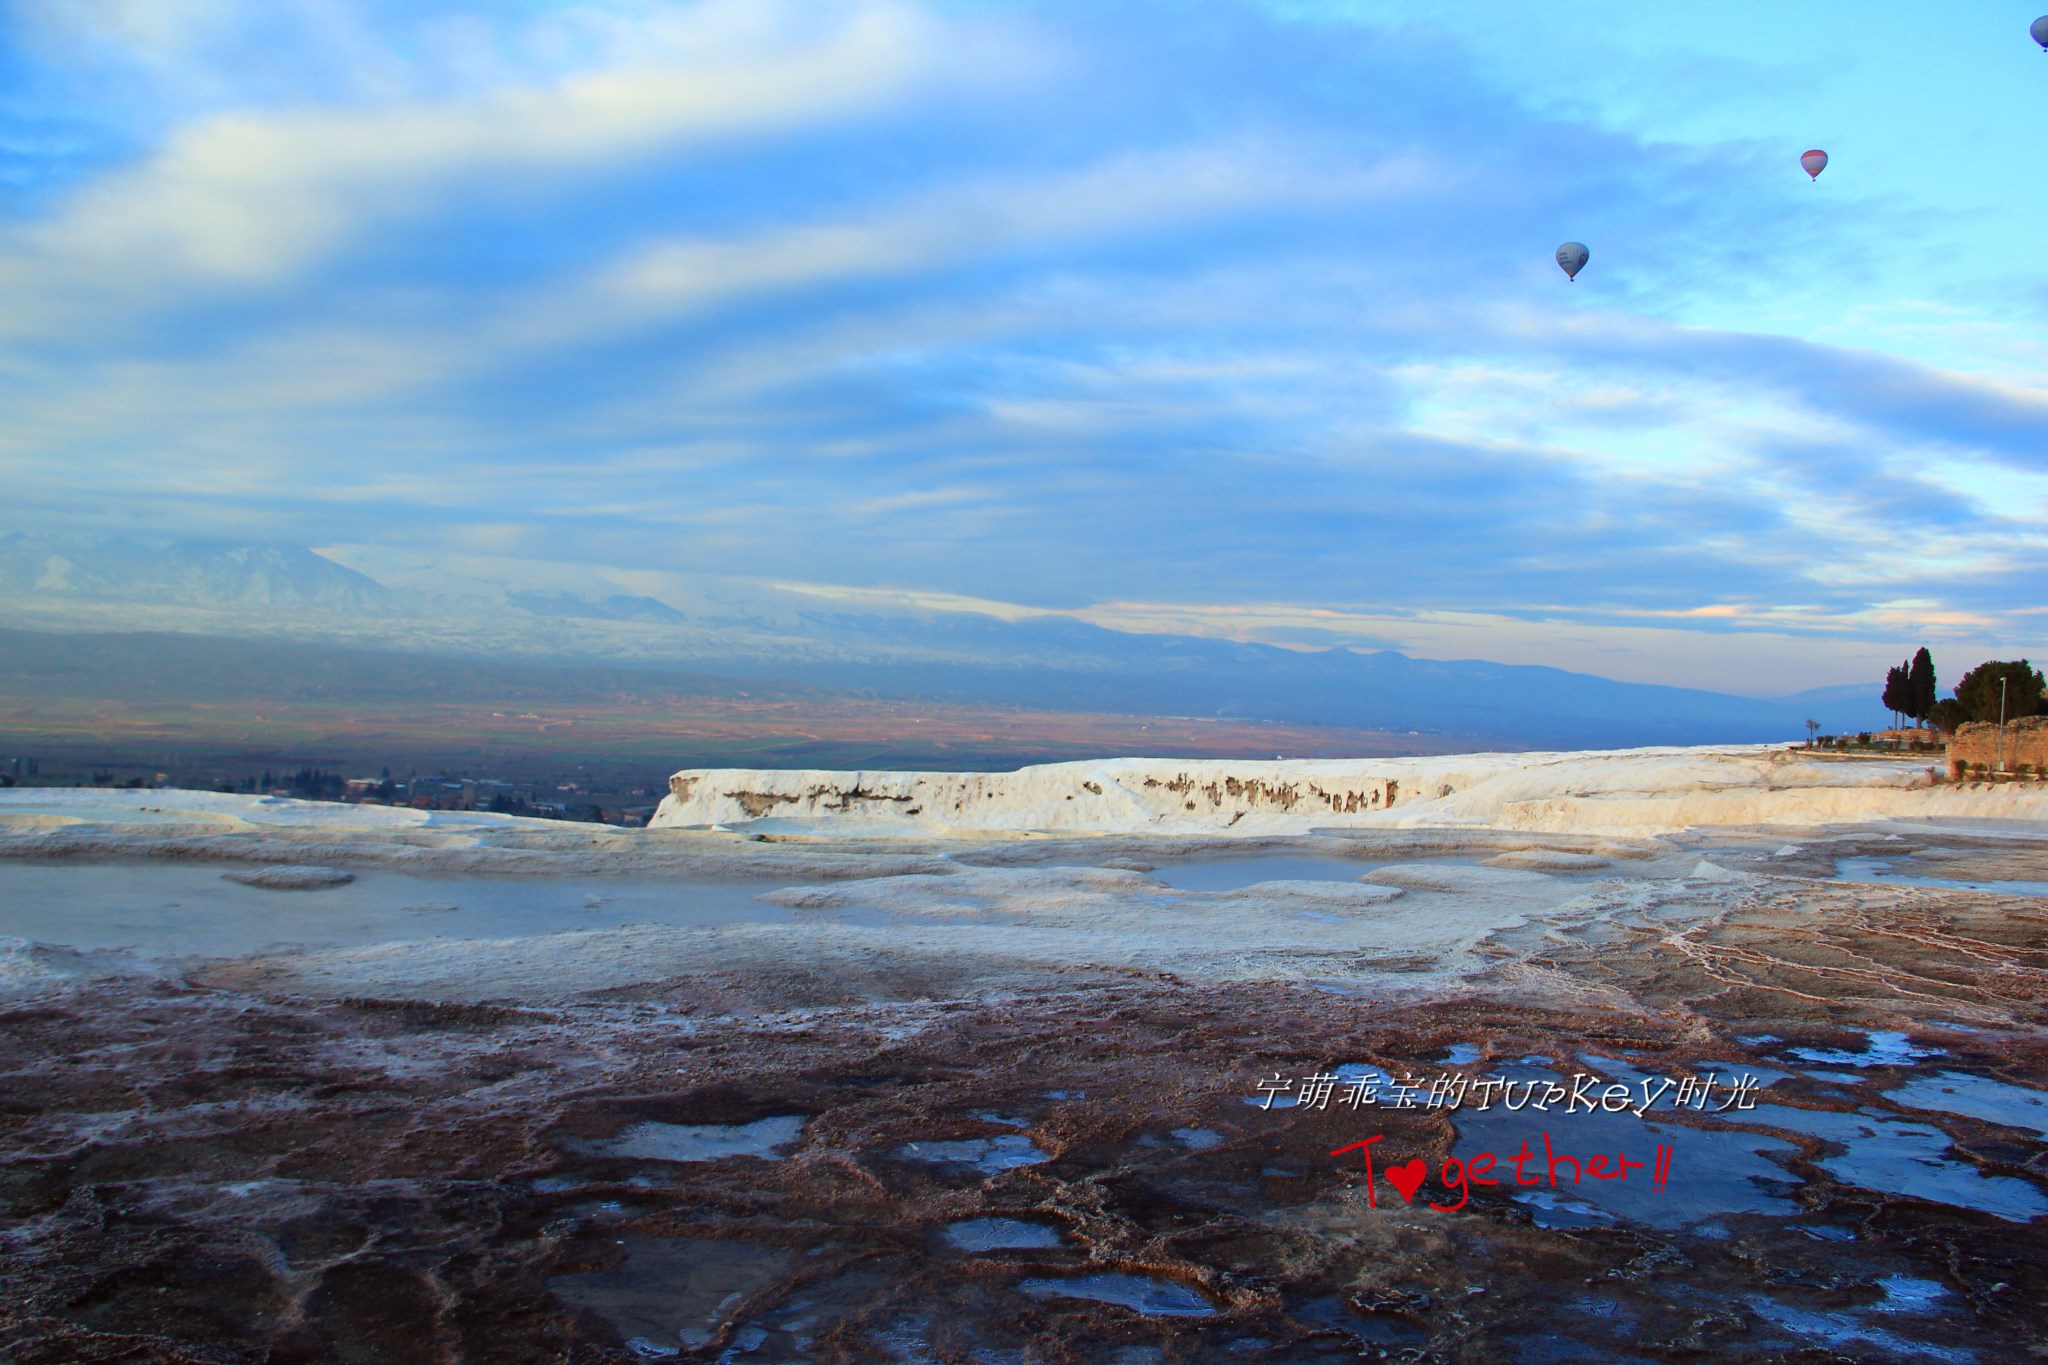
(763, 1139)
(1002, 1234)
(1878, 872)
(1977, 1097)
(191, 910)
(1895, 1156)
(1234, 874)
(1153, 1298)
(672, 1294)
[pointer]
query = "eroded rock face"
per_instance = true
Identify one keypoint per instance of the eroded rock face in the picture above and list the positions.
(1058, 796)
(213, 1174)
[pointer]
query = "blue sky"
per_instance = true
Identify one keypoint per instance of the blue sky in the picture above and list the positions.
(1220, 316)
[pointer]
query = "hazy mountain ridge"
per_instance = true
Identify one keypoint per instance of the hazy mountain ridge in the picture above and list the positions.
(159, 666)
(745, 632)
(617, 607)
(188, 572)
(1515, 704)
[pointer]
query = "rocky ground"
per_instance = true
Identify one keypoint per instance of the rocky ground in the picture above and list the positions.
(886, 1150)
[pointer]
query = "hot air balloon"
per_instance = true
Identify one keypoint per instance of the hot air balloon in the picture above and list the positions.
(1572, 258)
(2040, 31)
(1814, 161)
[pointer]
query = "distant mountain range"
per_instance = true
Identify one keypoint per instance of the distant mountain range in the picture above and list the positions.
(744, 631)
(185, 572)
(1513, 705)
(616, 607)
(146, 666)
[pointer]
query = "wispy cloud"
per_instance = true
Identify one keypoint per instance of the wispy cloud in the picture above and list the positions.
(251, 198)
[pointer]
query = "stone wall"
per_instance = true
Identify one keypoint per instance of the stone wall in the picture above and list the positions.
(2026, 745)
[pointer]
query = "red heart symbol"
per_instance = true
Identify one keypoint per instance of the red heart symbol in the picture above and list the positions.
(1408, 1178)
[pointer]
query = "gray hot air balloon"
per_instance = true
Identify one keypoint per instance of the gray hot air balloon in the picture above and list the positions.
(2040, 31)
(1572, 258)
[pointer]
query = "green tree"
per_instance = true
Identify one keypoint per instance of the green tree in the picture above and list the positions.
(1897, 691)
(1948, 714)
(2025, 693)
(1920, 682)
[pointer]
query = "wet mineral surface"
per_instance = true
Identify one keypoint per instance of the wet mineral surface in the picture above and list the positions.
(879, 1147)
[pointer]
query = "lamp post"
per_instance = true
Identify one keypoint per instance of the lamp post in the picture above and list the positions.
(2001, 724)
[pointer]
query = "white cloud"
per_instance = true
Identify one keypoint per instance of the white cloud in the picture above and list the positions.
(251, 197)
(279, 379)
(1126, 194)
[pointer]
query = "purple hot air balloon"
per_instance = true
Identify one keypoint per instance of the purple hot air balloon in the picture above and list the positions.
(1814, 161)
(2040, 31)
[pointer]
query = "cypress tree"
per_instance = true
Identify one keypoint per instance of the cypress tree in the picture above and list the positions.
(1896, 693)
(1920, 679)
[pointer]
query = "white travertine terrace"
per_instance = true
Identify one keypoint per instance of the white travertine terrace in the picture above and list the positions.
(1633, 791)
(1431, 873)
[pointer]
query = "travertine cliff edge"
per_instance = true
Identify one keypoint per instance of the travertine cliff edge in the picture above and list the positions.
(1624, 791)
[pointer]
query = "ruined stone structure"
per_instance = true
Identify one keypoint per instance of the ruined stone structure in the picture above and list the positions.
(2026, 746)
